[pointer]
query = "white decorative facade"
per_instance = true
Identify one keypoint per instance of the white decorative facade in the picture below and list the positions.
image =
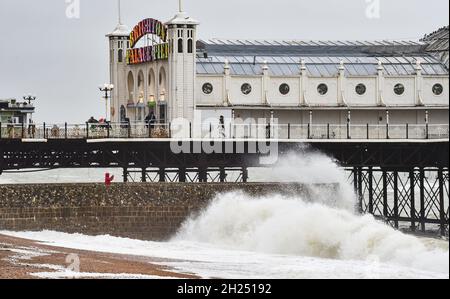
(287, 82)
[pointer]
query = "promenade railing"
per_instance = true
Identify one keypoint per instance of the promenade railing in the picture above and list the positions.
(142, 130)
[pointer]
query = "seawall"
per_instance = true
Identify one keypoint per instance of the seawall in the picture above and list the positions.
(132, 210)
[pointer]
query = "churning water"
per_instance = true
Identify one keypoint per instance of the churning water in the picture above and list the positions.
(292, 227)
(240, 236)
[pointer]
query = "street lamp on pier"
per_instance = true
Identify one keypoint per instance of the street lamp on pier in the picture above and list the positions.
(107, 89)
(29, 98)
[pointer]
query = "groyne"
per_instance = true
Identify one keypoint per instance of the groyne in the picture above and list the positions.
(133, 210)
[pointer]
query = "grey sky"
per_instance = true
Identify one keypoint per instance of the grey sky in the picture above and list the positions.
(63, 60)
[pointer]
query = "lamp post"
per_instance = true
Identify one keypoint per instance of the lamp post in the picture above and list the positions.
(107, 89)
(29, 98)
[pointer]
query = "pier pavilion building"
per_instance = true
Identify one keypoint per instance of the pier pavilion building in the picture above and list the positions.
(163, 67)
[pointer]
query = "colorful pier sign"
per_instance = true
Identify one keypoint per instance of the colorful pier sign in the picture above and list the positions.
(148, 26)
(148, 54)
(159, 51)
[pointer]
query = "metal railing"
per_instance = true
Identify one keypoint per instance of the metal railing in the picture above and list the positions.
(232, 131)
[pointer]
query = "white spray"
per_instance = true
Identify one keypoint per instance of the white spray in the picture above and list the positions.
(327, 228)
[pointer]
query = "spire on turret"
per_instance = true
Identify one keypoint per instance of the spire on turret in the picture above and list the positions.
(180, 6)
(120, 12)
(121, 29)
(182, 18)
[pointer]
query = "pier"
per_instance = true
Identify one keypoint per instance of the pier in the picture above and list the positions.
(400, 172)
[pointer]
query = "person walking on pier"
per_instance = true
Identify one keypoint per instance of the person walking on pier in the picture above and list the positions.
(222, 126)
(92, 120)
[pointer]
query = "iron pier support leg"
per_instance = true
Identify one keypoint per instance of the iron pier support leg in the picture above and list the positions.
(385, 196)
(412, 183)
(422, 199)
(371, 190)
(162, 175)
(441, 202)
(223, 175)
(144, 175)
(182, 175)
(125, 175)
(244, 174)
(203, 175)
(360, 189)
(396, 216)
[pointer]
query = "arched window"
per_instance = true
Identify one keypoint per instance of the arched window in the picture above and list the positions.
(162, 84)
(180, 45)
(120, 55)
(190, 46)
(141, 87)
(130, 87)
(151, 86)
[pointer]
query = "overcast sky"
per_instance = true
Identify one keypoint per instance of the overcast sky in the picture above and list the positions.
(63, 60)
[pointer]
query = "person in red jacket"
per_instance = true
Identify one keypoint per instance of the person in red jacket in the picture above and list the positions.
(108, 179)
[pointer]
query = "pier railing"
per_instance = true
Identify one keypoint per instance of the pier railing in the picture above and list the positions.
(143, 130)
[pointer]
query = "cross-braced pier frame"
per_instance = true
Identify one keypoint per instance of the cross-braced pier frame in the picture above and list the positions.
(416, 199)
(187, 175)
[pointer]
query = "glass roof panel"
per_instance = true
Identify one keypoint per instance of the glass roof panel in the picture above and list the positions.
(315, 60)
(209, 68)
(390, 70)
(319, 65)
(361, 70)
(439, 69)
(427, 69)
(233, 59)
(294, 60)
(238, 70)
(371, 69)
(289, 69)
(409, 69)
(295, 68)
(323, 70)
(313, 71)
(276, 70)
(334, 59)
(332, 68)
(351, 70)
(368, 60)
(248, 69)
(201, 69)
(383, 60)
(218, 67)
(279, 60)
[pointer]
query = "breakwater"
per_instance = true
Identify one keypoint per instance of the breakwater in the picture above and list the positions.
(133, 210)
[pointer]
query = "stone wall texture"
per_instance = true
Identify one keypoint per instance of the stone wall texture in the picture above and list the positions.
(133, 210)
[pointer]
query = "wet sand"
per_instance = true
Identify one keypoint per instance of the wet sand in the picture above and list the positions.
(25, 259)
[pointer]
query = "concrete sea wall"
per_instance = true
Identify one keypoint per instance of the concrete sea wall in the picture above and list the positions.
(133, 210)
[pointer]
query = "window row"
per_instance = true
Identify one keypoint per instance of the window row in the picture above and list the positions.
(322, 89)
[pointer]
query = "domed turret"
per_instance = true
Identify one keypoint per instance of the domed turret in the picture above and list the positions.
(119, 43)
(182, 34)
